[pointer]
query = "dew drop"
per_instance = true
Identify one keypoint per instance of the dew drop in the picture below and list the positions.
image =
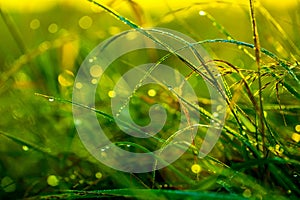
(111, 94)
(98, 175)
(297, 127)
(152, 93)
(66, 78)
(196, 168)
(51, 99)
(295, 175)
(202, 13)
(128, 145)
(296, 137)
(25, 148)
(52, 180)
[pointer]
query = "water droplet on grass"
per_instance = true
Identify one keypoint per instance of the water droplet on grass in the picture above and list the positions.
(51, 99)
(66, 78)
(112, 94)
(98, 175)
(52, 180)
(297, 127)
(25, 148)
(151, 93)
(196, 168)
(296, 137)
(202, 13)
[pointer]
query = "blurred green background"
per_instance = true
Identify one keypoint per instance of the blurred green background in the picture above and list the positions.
(43, 43)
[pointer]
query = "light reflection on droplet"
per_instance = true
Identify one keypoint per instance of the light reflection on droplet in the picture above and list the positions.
(25, 148)
(202, 13)
(51, 99)
(196, 168)
(98, 175)
(52, 180)
(296, 137)
(112, 94)
(66, 78)
(215, 114)
(152, 93)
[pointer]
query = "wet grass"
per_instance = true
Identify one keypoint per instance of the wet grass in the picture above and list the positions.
(256, 157)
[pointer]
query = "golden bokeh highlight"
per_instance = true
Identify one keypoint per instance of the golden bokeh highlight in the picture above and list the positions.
(66, 78)
(196, 169)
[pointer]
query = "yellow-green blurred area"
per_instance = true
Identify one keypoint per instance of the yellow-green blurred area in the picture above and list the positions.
(43, 43)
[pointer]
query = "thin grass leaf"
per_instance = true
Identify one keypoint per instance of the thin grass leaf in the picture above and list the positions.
(140, 194)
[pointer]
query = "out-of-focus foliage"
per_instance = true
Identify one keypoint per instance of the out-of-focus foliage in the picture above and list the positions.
(43, 43)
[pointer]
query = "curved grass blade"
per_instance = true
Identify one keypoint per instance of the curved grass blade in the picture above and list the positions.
(139, 194)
